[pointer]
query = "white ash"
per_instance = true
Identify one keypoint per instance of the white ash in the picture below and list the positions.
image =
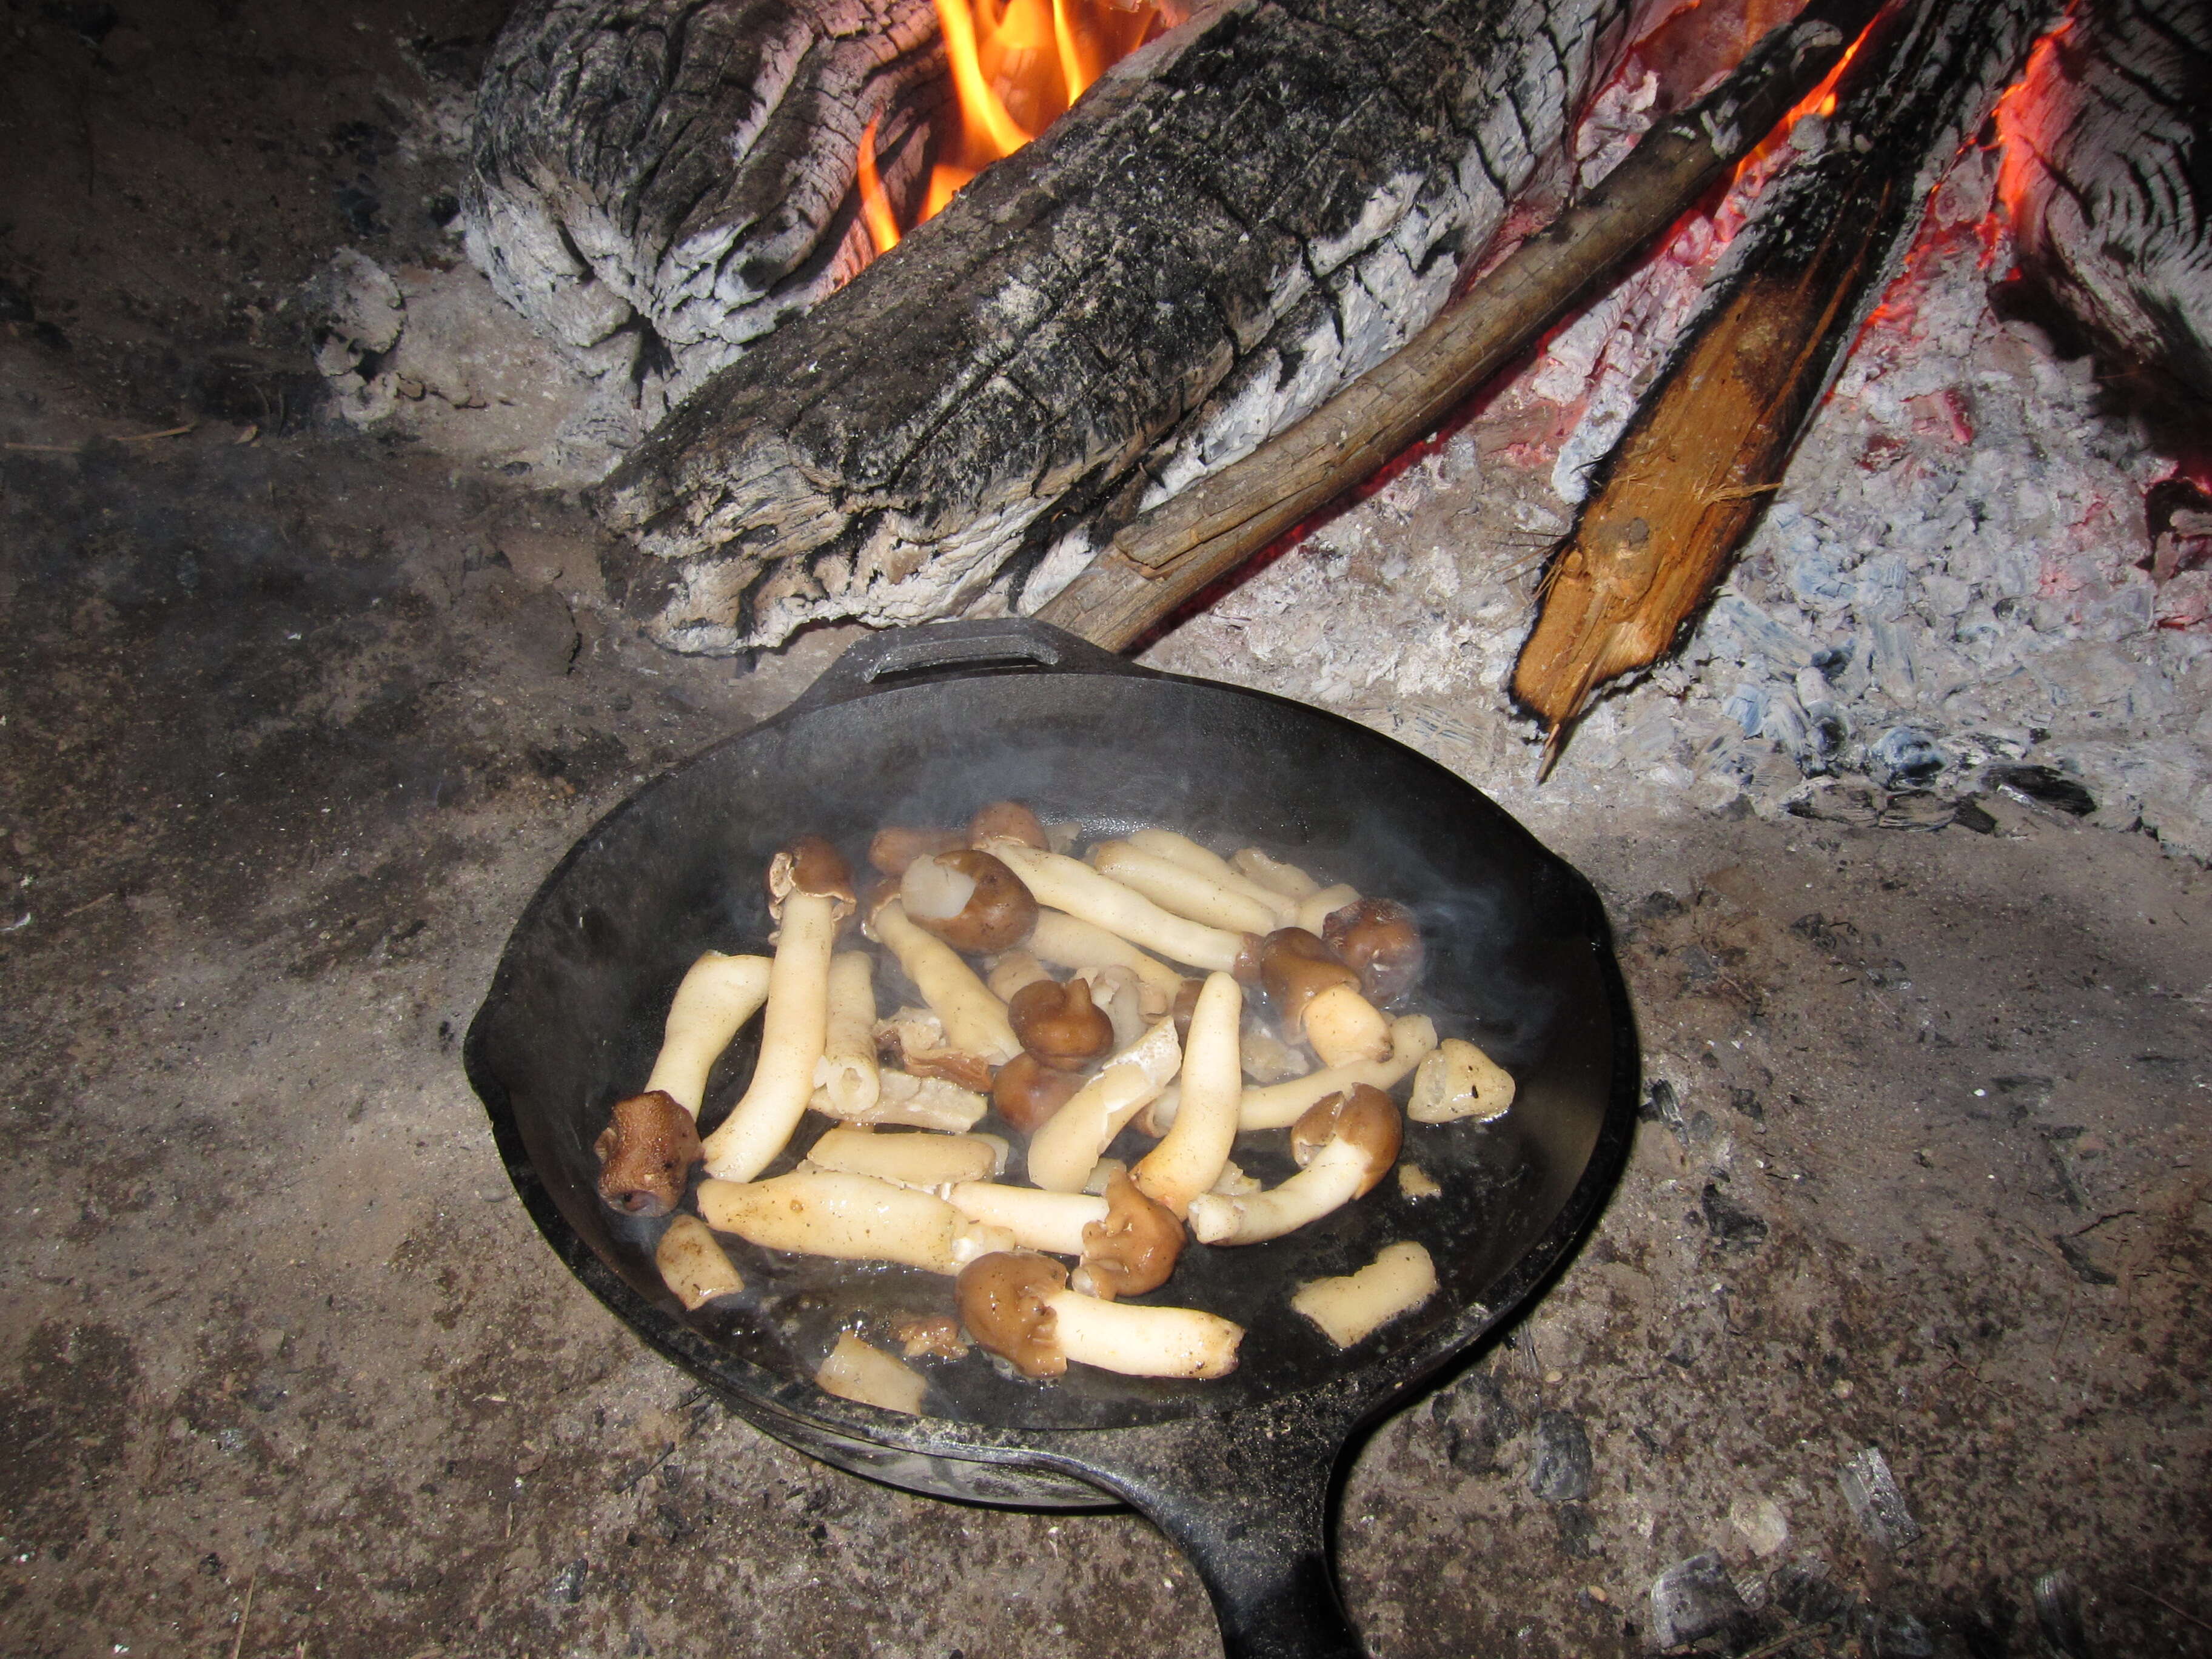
(1948, 581)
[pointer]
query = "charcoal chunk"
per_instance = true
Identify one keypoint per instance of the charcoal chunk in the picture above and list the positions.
(1560, 1472)
(1730, 1222)
(1695, 1599)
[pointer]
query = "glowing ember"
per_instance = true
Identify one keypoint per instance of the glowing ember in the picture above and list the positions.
(1018, 65)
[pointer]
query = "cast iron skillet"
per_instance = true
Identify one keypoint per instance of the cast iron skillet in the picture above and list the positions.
(921, 726)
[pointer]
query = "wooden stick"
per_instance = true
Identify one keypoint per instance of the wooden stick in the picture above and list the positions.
(1165, 557)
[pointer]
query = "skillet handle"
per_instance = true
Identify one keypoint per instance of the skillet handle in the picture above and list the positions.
(1249, 1506)
(934, 650)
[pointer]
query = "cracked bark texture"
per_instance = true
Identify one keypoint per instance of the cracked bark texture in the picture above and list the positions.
(1234, 223)
(656, 183)
(2108, 168)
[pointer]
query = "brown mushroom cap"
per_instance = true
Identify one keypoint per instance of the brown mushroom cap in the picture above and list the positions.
(1297, 967)
(1379, 939)
(1002, 1304)
(1000, 912)
(1184, 1006)
(810, 865)
(1011, 819)
(896, 846)
(1060, 1024)
(646, 1154)
(1027, 1091)
(1134, 1249)
(1365, 1117)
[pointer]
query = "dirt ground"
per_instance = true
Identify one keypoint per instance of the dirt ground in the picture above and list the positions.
(294, 717)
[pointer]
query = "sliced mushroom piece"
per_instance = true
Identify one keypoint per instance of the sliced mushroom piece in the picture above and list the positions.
(1190, 1156)
(915, 1038)
(1279, 1105)
(646, 1154)
(1049, 1222)
(847, 1072)
(810, 894)
(918, 1159)
(1117, 990)
(1267, 1057)
(969, 899)
(1062, 1153)
(1349, 1309)
(1062, 883)
(1344, 1144)
(913, 1102)
(896, 847)
(1315, 909)
(1132, 1248)
(1458, 1081)
(694, 1265)
(717, 996)
(853, 1369)
(1059, 1023)
(975, 1020)
(1066, 942)
(1179, 889)
(1378, 939)
(1181, 849)
(1027, 1091)
(938, 1336)
(1292, 883)
(1021, 1309)
(855, 1217)
(1012, 971)
(1007, 820)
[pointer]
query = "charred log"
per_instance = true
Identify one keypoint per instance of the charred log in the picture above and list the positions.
(657, 183)
(1233, 223)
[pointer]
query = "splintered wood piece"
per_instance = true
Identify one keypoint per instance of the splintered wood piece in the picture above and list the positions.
(1162, 559)
(1691, 474)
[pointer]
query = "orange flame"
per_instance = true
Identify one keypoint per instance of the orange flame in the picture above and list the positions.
(1018, 65)
(1821, 102)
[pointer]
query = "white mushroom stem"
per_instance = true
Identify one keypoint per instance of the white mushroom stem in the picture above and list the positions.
(1278, 1106)
(718, 994)
(1070, 884)
(1049, 1222)
(1181, 849)
(792, 1034)
(1138, 1340)
(1014, 972)
(847, 1071)
(1117, 991)
(1064, 1152)
(1187, 892)
(1066, 942)
(1343, 1027)
(693, 1264)
(855, 1217)
(1459, 1080)
(1190, 1156)
(913, 1102)
(922, 1159)
(975, 1020)
(855, 1371)
(1337, 1175)
(1400, 1278)
(1315, 909)
(1292, 883)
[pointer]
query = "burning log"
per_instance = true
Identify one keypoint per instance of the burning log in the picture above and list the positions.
(1231, 224)
(1688, 478)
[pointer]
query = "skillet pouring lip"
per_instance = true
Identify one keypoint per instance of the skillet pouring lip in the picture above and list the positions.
(1521, 961)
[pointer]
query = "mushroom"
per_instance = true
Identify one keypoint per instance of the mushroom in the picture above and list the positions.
(1070, 884)
(913, 1102)
(919, 1159)
(1061, 1152)
(1317, 998)
(1400, 1278)
(1065, 942)
(896, 846)
(1181, 890)
(1344, 1144)
(646, 1154)
(938, 1335)
(1058, 1024)
(810, 893)
(969, 899)
(1019, 1308)
(1459, 1080)
(1292, 883)
(1132, 1248)
(1379, 939)
(855, 1217)
(1279, 1105)
(1009, 972)
(1117, 990)
(717, 996)
(1052, 1222)
(1027, 1091)
(1267, 1057)
(917, 1038)
(1181, 849)
(1415, 1182)
(1315, 909)
(1010, 820)
(1190, 1156)
(854, 1370)
(975, 1020)
(693, 1263)
(847, 1071)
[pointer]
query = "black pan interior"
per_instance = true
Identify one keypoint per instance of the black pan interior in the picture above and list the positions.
(1518, 964)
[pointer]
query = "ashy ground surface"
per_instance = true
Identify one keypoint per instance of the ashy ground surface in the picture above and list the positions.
(294, 719)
